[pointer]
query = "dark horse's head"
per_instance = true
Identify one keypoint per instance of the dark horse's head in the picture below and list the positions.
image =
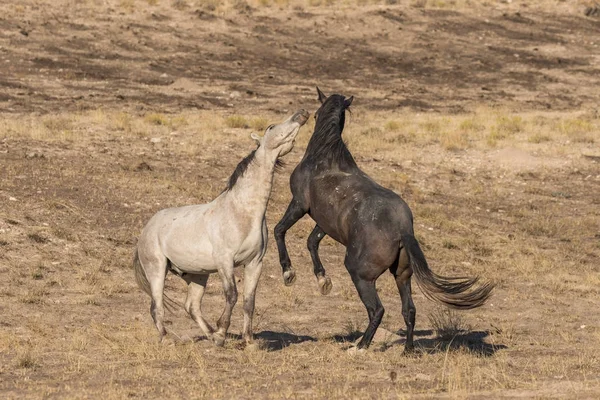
(326, 141)
(332, 111)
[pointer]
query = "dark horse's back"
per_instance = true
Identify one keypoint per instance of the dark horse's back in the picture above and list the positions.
(353, 208)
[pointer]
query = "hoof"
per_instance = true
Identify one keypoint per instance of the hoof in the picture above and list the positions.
(218, 340)
(353, 351)
(252, 347)
(167, 340)
(325, 285)
(410, 352)
(289, 277)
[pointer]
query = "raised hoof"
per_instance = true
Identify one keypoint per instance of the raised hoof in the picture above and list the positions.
(289, 277)
(325, 285)
(354, 350)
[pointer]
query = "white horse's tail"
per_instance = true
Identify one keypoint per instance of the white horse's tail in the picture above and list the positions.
(142, 281)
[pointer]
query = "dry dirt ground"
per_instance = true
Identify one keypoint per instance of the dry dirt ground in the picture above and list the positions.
(482, 115)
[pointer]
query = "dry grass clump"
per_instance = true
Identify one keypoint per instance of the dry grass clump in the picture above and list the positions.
(447, 324)
(237, 121)
(578, 130)
(505, 127)
(392, 125)
(259, 123)
(483, 129)
(539, 138)
(27, 360)
(471, 125)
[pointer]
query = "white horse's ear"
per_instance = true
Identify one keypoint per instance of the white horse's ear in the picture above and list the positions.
(256, 138)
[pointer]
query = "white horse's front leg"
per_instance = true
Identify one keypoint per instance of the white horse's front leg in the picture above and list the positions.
(252, 273)
(230, 290)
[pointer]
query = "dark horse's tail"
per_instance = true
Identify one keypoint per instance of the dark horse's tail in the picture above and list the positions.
(455, 292)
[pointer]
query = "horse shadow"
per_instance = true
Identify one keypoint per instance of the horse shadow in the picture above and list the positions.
(275, 341)
(472, 341)
(270, 340)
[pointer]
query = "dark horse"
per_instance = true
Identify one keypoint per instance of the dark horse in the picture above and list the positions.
(373, 222)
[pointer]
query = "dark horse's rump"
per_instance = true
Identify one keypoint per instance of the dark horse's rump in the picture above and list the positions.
(373, 222)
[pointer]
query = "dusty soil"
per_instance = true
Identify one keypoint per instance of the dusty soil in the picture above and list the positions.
(129, 54)
(73, 324)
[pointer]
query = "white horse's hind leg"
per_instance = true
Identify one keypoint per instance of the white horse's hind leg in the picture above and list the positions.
(230, 290)
(251, 276)
(156, 269)
(193, 302)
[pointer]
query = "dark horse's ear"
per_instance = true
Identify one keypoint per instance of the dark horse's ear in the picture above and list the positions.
(348, 101)
(322, 96)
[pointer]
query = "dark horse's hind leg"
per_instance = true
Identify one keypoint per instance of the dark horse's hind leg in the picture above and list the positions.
(314, 239)
(402, 273)
(368, 294)
(293, 213)
(409, 312)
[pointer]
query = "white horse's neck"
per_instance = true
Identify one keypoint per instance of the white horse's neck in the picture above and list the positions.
(252, 190)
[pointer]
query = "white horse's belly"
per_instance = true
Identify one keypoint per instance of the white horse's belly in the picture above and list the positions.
(185, 242)
(252, 245)
(192, 256)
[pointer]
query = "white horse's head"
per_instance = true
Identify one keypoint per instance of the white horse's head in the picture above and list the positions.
(280, 138)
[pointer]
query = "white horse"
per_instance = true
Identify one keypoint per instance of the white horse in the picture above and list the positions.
(198, 240)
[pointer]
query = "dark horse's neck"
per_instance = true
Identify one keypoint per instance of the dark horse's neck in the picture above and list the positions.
(326, 143)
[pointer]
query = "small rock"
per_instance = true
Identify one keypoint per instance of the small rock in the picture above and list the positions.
(33, 154)
(252, 347)
(143, 166)
(155, 140)
(353, 351)
(12, 199)
(423, 377)
(393, 376)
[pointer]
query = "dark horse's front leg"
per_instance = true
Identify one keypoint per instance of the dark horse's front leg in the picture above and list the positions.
(294, 212)
(314, 239)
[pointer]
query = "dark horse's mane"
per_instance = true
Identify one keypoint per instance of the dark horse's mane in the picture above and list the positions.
(326, 141)
(243, 166)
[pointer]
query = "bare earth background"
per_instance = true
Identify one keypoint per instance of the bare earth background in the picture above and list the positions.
(483, 115)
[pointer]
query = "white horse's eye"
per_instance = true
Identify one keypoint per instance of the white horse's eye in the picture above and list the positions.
(270, 126)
